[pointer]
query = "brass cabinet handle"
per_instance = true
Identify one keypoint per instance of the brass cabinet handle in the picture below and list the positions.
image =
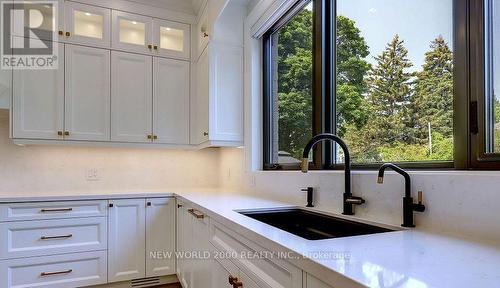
(155, 137)
(205, 133)
(148, 204)
(150, 46)
(111, 205)
(205, 34)
(61, 32)
(60, 133)
(197, 214)
(180, 205)
(155, 47)
(56, 210)
(66, 133)
(68, 34)
(43, 274)
(150, 136)
(232, 279)
(56, 237)
(237, 284)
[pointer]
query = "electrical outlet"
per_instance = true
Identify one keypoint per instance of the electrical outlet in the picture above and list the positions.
(92, 174)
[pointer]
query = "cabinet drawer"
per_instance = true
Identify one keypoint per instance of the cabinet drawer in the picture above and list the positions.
(70, 270)
(49, 237)
(51, 210)
(266, 272)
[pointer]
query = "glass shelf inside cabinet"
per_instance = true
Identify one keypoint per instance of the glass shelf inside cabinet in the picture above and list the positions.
(132, 32)
(171, 38)
(88, 24)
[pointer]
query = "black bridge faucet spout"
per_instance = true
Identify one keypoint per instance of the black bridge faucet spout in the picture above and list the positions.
(349, 200)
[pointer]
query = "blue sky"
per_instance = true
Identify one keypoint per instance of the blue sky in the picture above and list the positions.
(417, 22)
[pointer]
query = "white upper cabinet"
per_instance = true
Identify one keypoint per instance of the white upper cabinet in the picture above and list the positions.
(160, 236)
(171, 101)
(171, 39)
(38, 102)
(202, 32)
(132, 32)
(87, 104)
(86, 24)
(127, 243)
(199, 103)
(132, 101)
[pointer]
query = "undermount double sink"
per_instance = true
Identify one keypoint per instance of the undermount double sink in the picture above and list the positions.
(311, 225)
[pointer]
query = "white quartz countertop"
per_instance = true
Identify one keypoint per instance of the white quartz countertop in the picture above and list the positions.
(406, 258)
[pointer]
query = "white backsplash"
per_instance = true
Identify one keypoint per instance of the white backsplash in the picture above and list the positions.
(460, 203)
(56, 169)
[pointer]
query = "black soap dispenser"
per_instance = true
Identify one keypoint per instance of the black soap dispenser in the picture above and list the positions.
(310, 192)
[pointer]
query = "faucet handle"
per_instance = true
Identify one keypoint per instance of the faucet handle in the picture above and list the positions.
(420, 197)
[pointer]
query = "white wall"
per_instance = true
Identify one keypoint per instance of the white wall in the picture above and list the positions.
(460, 203)
(47, 169)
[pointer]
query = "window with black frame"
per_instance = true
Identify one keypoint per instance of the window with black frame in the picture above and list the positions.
(391, 98)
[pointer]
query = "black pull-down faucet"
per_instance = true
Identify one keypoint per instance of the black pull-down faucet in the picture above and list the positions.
(408, 205)
(349, 200)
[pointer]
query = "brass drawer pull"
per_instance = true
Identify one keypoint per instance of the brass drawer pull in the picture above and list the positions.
(237, 284)
(60, 133)
(150, 46)
(56, 210)
(66, 133)
(56, 237)
(43, 274)
(68, 34)
(196, 214)
(61, 32)
(155, 47)
(180, 205)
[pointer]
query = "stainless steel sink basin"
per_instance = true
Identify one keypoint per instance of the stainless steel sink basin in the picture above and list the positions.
(311, 225)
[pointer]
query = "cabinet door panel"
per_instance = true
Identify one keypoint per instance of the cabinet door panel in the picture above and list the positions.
(221, 273)
(184, 244)
(201, 267)
(199, 103)
(131, 97)
(88, 24)
(38, 102)
(126, 249)
(171, 39)
(160, 237)
(87, 102)
(171, 101)
(132, 32)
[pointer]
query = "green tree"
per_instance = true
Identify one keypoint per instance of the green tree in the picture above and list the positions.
(294, 70)
(433, 93)
(389, 85)
(352, 108)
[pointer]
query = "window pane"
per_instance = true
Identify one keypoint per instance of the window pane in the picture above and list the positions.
(492, 61)
(394, 94)
(292, 87)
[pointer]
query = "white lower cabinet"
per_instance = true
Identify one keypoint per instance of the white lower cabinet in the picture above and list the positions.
(194, 265)
(61, 271)
(49, 237)
(141, 236)
(127, 245)
(160, 236)
(313, 282)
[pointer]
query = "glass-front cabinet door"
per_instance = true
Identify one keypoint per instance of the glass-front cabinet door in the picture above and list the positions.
(171, 38)
(132, 32)
(87, 24)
